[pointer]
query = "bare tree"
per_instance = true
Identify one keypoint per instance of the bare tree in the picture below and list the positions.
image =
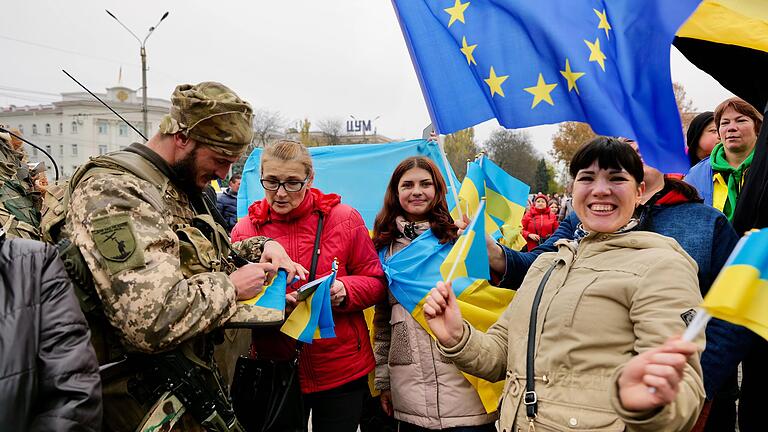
(513, 151)
(265, 124)
(332, 128)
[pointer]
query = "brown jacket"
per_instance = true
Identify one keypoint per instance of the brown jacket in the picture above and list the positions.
(616, 296)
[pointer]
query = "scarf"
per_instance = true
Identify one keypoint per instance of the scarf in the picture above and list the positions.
(720, 164)
(407, 232)
(581, 232)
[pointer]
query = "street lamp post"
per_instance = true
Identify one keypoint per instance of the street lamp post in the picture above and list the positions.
(143, 53)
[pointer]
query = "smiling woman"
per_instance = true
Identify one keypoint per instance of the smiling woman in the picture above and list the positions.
(719, 177)
(592, 327)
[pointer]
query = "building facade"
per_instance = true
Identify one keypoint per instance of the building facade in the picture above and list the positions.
(78, 126)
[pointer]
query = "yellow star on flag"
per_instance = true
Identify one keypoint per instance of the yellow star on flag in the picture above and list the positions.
(603, 22)
(541, 92)
(457, 12)
(467, 50)
(595, 54)
(571, 76)
(494, 82)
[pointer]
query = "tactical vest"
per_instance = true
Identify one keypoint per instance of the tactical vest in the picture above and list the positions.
(203, 247)
(19, 215)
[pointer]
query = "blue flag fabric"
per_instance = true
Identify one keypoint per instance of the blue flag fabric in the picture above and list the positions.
(529, 63)
(272, 294)
(359, 173)
(313, 317)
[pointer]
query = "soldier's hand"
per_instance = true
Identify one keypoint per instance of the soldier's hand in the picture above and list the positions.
(275, 254)
(249, 279)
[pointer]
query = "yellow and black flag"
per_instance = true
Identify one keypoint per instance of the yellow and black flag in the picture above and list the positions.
(728, 39)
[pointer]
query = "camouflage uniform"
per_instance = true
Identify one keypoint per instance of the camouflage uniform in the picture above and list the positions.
(19, 203)
(157, 256)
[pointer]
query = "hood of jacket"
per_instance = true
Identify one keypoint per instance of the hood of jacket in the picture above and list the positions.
(260, 211)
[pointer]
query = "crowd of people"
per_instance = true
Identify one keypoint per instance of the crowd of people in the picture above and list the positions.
(133, 317)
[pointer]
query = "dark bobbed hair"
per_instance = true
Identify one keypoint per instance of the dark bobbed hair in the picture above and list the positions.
(385, 227)
(610, 153)
(741, 107)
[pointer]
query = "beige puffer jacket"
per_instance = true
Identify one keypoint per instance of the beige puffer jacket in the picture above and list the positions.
(617, 295)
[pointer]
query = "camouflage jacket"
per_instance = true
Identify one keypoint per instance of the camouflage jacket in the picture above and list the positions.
(160, 279)
(19, 203)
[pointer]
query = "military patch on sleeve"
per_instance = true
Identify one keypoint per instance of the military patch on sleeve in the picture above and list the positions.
(688, 316)
(117, 243)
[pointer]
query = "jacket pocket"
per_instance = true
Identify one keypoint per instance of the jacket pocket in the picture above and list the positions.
(566, 416)
(197, 254)
(400, 351)
(574, 294)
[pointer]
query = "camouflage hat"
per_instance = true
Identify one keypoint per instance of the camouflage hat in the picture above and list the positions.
(210, 113)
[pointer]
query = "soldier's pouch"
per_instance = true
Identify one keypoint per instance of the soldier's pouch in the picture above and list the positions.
(117, 243)
(197, 253)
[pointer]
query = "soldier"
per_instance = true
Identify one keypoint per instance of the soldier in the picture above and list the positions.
(19, 203)
(157, 253)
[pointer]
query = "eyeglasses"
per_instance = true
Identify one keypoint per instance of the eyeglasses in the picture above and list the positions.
(289, 186)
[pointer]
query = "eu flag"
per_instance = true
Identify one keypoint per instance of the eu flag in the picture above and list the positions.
(529, 63)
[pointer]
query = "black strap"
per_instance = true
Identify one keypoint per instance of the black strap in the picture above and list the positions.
(273, 414)
(530, 400)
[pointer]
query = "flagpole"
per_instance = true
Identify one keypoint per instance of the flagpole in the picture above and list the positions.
(440, 139)
(697, 325)
(463, 246)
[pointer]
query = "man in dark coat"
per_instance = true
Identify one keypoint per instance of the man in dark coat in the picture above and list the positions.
(227, 201)
(49, 376)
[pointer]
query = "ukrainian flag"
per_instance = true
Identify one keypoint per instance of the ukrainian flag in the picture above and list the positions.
(506, 199)
(414, 270)
(313, 317)
(740, 293)
(272, 295)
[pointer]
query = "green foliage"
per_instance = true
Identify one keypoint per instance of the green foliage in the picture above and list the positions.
(513, 151)
(459, 147)
(542, 178)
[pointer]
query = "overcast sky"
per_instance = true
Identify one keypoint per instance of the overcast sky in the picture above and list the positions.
(304, 58)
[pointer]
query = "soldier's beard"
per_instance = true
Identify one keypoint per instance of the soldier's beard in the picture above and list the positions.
(187, 173)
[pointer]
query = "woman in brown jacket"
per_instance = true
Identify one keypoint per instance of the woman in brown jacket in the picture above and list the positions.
(589, 341)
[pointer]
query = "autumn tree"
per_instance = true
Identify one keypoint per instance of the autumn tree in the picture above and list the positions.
(568, 138)
(459, 147)
(332, 129)
(513, 151)
(266, 123)
(684, 105)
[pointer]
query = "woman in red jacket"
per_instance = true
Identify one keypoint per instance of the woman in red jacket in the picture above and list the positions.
(539, 222)
(332, 372)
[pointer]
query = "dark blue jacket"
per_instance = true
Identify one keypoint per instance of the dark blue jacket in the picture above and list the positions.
(707, 236)
(227, 205)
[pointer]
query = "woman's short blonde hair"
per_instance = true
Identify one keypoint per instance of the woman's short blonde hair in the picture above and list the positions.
(288, 150)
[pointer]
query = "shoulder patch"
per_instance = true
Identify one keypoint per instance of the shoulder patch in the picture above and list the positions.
(688, 316)
(116, 241)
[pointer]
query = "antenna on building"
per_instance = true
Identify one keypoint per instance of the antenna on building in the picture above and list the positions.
(105, 104)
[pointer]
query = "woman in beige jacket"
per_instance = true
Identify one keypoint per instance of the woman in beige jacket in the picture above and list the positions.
(420, 387)
(595, 322)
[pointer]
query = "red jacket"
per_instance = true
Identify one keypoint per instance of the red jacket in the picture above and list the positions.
(326, 363)
(542, 222)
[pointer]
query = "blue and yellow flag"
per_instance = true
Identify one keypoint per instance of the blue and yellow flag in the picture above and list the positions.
(506, 198)
(740, 293)
(272, 294)
(413, 271)
(527, 63)
(313, 317)
(369, 165)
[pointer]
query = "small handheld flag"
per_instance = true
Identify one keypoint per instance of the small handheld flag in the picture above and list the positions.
(313, 317)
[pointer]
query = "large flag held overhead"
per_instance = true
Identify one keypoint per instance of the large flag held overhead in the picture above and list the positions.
(506, 198)
(414, 270)
(529, 63)
(313, 317)
(732, 29)
(359, 173)
(740, 293)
